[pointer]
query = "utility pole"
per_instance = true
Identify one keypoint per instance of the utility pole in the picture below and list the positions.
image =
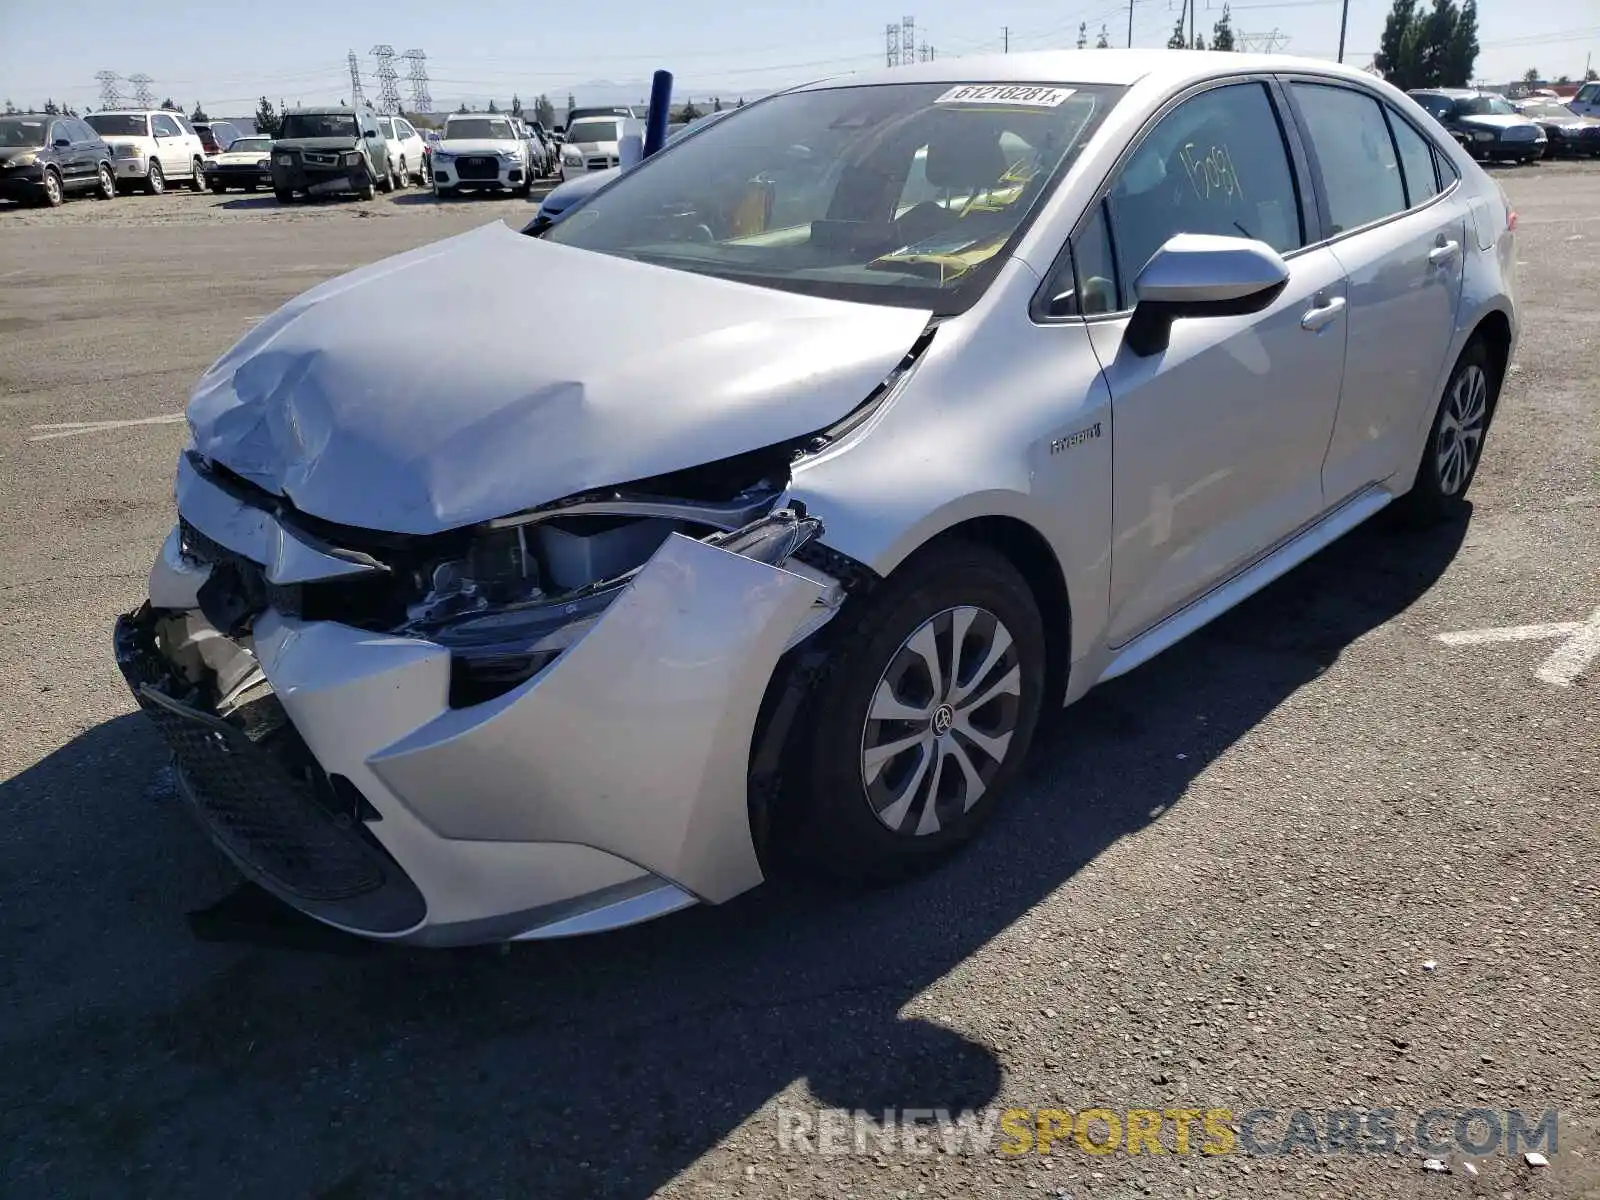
(1130, 24)
(1005, 32)
(1194, 4)
(1344, 20)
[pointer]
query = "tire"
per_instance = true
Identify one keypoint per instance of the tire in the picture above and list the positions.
(402, 177)
(284, 195)
(855, 807)
(386, 184)
(55, 193)
(106, 186)
(217, 189)
(156, 182)
(443, 193)
(1451, 455)
(198, 182)
(368, 190)
(526, 186)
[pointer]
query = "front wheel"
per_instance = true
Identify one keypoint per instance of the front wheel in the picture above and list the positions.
(922, 719)
(367, 190)
(54, 193)
(106, 187)
(443, 193)
(284, 195)
(156, 182)
(1454, 447)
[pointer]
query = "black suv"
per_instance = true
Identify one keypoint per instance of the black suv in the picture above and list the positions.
(44, 157)
(1485, 123)
(323, 151)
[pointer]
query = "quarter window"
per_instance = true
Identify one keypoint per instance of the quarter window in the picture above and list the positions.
(164, 126)
(1360, 171)
(1216, 164)
(1416, 162)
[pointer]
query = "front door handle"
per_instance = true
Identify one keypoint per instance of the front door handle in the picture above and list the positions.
(1443, 252)
(1324, 314)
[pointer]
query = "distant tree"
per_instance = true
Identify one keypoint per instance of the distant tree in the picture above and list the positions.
(741, 98)
(716, 104)
(10, 107)
(1199, 41)
(167, 105)
(199, 114)
(50, 109)
(463, 107)
(1531, 76)
(1437, 48)
(690, 112)
(516, 105)
(543, 111)
(492, 107)
(1463, 53)
(1083, 34)
(1589, 76)
(1103, 42)
(1222, 31)
(266, 118)
(1563, 79)
(1179, 40)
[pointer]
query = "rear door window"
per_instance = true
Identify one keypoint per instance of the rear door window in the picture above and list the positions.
(1416, 161)
(1352, 146)
(164, 125)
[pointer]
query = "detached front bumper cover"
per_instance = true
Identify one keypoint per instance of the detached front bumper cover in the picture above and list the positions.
(609, 787)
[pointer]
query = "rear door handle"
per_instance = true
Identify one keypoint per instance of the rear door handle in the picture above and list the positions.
(1443, 252)
(1324, 314)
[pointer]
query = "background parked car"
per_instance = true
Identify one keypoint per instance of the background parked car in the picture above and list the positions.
(407, 156)
(43, 158)
(481, 152)
(217, 136)
(246, 163)
(1566, 133)
(1587, 102)
(605, 110)
(591, 146)
(1487, 124)
(321, 151)
(151, 146)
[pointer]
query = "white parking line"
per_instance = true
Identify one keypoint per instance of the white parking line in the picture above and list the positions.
(1579, 648)
(67, 429)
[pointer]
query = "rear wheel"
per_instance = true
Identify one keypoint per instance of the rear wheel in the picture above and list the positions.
(198, 180)
(923, 719)
(1454, 448)
(155, 182)
(441, 192)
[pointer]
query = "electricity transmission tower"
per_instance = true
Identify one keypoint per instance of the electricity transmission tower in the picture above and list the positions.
(891, 44)
(355, 80)
(142, 95)
(388, 79)
(110, 92)
(908, 40)
(1263, 43)
(421, 100)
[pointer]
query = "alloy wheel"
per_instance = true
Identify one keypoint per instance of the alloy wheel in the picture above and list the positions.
(53, 194)
(941, 721)
(1461, 429)
(156, 181)
(108, 184)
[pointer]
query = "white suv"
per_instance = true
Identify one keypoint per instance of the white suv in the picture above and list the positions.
(481, 151)
(151, 147)
(406, 157)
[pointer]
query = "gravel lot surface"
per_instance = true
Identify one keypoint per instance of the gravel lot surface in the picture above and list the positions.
(1312, 858)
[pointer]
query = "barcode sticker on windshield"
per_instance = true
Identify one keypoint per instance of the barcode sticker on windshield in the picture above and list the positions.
(1028, 95)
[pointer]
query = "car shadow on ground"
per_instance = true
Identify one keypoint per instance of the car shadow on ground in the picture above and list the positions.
(593, 1067)
(248, 202)
(427, 197)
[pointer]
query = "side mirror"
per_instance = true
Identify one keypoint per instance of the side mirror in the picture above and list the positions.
(1202, 275)
(371, 133)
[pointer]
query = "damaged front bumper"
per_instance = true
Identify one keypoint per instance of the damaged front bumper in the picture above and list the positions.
(333, 764)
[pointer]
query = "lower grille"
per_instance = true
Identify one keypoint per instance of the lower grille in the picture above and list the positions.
(477, 166)
(600, 163)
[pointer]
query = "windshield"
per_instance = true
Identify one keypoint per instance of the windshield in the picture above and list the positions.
(114, 124)
(595, 129)
(17, 132)
(1546, 110)
(251, 145)
(1487, 106)
(318, 125)
(894, 194)
(478, 127)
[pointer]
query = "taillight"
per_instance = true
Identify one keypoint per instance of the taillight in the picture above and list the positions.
(1511, 219)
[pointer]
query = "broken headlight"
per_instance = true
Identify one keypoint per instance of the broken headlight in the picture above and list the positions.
(517, 598)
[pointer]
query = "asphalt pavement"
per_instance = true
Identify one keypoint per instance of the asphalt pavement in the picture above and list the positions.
(1321, 856)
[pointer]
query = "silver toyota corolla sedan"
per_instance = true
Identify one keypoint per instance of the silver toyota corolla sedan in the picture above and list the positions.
(837, 441)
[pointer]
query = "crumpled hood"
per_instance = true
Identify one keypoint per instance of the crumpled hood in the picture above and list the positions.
(493, 372)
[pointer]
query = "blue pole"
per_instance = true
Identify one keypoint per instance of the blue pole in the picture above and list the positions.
(655, 127)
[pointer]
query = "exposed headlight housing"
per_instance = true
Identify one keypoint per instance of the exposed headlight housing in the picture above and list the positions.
(572, 154)
(21, 160)
(352, 157)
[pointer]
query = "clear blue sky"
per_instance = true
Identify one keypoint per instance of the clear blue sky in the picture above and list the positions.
(227, 54)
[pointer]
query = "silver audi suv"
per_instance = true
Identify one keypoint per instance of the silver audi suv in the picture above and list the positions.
(920, 400)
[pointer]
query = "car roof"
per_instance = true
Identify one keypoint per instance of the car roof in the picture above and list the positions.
(1452, 93)
(1118, 67)
(322, 110)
